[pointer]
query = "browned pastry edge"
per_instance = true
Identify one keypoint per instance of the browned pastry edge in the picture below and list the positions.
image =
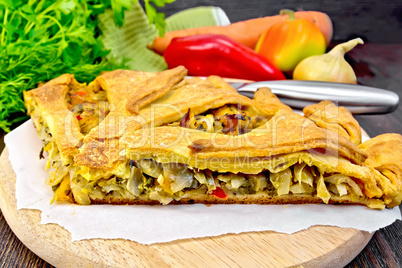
(50, 102)
(219, 82)
(155, 87)
(210, 199)
(269, 102)
(385, 157)
(339, 119)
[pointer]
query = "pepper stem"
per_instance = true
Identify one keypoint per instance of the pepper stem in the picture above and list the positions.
(289, 12)
(344, 48)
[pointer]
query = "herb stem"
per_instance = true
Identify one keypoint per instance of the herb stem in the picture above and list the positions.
(49, 8)
(3, 31)
(29, 28)
(58, 24)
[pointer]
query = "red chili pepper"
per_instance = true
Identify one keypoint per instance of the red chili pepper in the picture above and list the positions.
(79, 117)
(218, 192)
(80, 93)
(210, 54)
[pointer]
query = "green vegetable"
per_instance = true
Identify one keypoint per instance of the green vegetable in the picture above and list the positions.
(40, 40)
(131, 40)
(155, 17)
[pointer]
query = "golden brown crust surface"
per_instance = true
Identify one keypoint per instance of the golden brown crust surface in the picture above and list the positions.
(327, 138)
(286, 132)
(269, 101)
(199, 95)
(121, 84)
(339, 119)
(385, 157)
(154, 88)
(50, 102)
(218, 82)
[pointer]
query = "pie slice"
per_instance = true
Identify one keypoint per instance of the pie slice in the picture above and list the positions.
(140, 138)
(86, 122)
(291, 161)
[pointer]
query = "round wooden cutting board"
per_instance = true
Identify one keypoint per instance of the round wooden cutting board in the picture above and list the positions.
(321, 246)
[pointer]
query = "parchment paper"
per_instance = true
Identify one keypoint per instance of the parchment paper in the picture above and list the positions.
(153, 224)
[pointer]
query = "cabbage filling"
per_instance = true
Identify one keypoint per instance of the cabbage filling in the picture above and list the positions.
(89, 104)
(59, 172)
(148, 180)
(229, 119)
(165, 182)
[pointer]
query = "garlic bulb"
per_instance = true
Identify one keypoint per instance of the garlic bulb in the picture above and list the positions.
(330, 67)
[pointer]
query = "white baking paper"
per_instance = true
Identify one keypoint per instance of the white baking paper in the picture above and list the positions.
(153, 224)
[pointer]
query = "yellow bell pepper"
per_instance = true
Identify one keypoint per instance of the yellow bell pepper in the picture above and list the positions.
(287, 43)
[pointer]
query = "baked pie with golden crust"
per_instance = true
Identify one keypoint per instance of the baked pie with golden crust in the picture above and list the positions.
(133, 137)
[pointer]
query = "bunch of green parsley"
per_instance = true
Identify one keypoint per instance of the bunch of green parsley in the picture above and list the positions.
(40, 40)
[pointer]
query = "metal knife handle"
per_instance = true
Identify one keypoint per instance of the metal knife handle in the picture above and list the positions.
(357, 98)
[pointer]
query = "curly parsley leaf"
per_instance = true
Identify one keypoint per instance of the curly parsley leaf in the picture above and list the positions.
(40, 40)
(155, 17)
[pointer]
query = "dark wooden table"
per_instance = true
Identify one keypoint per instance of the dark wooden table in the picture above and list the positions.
(376, 65)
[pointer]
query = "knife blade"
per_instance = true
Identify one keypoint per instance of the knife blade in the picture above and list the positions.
(299, 94)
